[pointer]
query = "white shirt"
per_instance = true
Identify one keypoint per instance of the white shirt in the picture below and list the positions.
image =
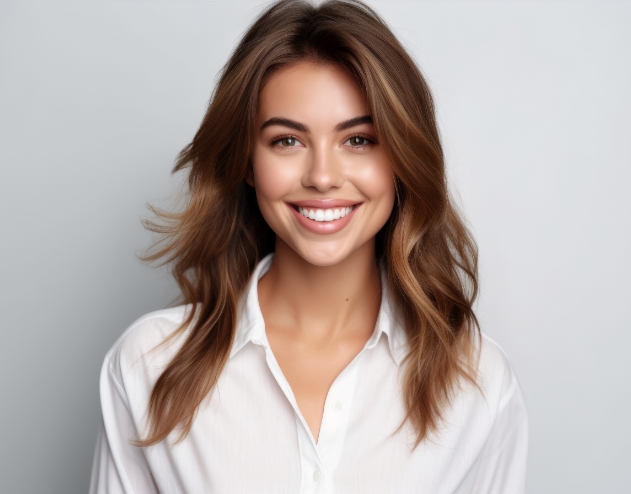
(249, 435)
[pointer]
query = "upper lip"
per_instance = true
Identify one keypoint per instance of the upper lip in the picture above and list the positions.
(325, 203)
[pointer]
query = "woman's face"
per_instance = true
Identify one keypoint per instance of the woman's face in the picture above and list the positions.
(323, 181)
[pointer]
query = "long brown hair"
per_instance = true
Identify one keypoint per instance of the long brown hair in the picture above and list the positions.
(217, 239)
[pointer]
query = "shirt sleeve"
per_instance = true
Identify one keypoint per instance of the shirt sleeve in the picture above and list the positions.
(118, 467)
(504, 458)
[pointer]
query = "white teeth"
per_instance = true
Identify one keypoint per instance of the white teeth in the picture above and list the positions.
(325, 214)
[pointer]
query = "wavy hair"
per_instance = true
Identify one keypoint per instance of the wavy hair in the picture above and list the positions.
(215, 241)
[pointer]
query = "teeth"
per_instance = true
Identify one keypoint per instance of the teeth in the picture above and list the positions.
(325, 214)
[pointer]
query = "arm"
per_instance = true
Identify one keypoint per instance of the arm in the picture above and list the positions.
(503, 464)
(118, 467)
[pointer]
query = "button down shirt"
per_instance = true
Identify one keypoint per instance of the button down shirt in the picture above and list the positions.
(249, 435)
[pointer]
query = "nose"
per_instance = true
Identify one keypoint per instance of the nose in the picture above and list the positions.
(324, 169)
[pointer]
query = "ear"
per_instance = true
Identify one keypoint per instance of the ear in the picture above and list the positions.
(249, 178)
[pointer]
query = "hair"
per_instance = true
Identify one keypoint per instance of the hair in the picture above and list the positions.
(215, 241)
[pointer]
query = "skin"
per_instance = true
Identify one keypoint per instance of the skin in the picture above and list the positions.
(320, 298)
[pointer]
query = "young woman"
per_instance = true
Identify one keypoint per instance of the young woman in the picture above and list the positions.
(327, 342)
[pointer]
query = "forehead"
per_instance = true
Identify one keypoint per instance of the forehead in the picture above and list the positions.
(312, 93)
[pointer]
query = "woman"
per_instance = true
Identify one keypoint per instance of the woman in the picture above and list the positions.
(327, 342)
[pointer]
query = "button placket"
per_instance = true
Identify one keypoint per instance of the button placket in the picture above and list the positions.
(309, 461)
(336, 416)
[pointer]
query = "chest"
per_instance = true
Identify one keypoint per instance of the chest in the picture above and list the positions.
(311, 369)
(251, 433)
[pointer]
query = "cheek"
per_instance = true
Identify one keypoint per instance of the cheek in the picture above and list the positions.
(377, 183)
(273, 177)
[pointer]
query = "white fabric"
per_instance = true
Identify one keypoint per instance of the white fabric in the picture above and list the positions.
(250, 437)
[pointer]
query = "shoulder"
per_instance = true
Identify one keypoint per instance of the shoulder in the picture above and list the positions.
(147, 345)
(496, 377)
(493, 405)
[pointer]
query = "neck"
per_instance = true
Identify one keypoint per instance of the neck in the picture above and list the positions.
(321, 301)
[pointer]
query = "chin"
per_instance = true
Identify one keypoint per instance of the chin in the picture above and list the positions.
(321, 255)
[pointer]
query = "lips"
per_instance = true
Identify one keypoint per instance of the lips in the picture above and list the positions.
(331, 214)
(326, 203)
(324, 216)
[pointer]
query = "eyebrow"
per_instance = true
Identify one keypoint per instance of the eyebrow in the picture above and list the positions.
(347, 124)
(285, 122)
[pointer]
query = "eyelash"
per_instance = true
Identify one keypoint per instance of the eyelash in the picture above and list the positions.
(280, 138)
(370, 140)
(363, 136)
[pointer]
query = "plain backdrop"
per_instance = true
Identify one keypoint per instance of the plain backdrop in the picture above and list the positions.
(534, 105)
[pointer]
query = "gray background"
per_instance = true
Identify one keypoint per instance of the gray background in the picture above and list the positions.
(97, 98)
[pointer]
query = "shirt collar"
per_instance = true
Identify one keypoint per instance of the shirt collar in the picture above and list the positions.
(251, 326)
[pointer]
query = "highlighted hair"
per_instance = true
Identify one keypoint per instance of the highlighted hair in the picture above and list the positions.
(217, 239)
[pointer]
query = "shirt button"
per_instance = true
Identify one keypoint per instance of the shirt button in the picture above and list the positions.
(337, 406)
(317, 475)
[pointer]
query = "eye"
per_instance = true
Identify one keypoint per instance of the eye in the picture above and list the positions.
(358, 141)
(285, 142)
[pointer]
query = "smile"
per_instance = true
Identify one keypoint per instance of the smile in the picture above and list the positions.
(324, 216)
(331, 214)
